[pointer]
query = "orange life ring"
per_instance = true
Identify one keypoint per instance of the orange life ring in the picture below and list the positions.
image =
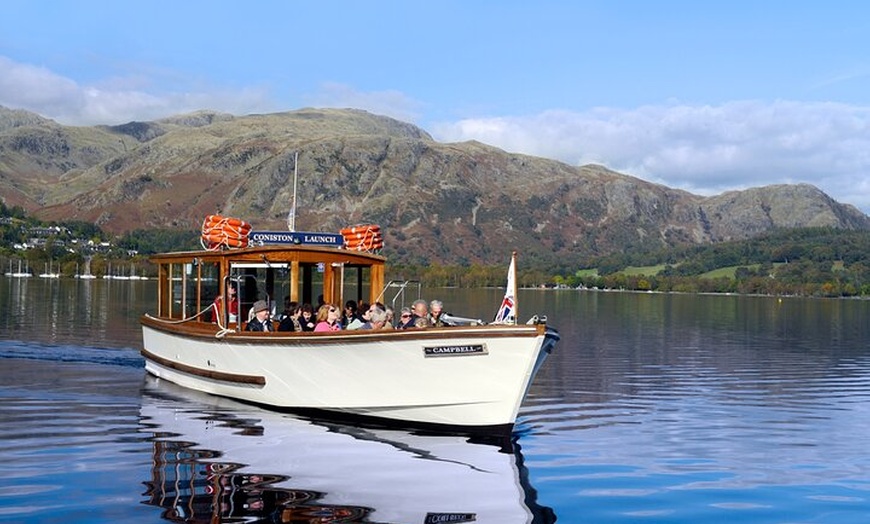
(212, 221)
(362, 238)
(364, 242)
(360, 229)
(367, 244)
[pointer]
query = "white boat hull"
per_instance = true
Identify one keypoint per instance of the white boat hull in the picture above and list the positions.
(465, 377)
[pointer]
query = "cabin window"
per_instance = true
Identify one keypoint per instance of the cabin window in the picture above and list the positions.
(356, 283)
(311, 282)
(176, 290)
(209, 288)
(258, 281)
(191, 291)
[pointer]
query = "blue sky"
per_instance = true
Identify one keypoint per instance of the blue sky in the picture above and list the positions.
(702, 96)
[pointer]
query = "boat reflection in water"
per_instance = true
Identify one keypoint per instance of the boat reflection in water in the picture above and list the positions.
(218, 460)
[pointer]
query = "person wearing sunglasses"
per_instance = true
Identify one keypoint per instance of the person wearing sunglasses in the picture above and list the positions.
(327, 318)
(404, 318)
(419, 313)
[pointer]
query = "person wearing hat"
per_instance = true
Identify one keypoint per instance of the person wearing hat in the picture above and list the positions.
(261, 321)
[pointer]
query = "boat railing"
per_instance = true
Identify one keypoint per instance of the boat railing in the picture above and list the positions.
(400, 287)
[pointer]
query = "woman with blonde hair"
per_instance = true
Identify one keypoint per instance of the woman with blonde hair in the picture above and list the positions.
(327, 318)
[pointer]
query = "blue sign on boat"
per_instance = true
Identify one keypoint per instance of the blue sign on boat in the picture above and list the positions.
(295, 237)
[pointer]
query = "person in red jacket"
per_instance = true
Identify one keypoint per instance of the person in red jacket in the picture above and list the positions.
(232, 306)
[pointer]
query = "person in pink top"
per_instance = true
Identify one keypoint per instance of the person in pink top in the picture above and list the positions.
(327, 318)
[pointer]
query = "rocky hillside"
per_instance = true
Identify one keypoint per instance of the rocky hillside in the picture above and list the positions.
(437, 202)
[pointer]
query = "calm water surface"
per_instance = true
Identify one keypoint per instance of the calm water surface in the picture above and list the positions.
(654, 408)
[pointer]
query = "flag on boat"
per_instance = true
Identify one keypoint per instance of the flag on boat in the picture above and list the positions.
(507, 313)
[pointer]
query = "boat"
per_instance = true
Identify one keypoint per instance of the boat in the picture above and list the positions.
(215, 460)
(470, 377)
(87, 274)
(19, 274)
(48, 273)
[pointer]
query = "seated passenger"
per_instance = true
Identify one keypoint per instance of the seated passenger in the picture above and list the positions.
(368, 316)
(378, 319)
(232, 305)
(436, 309)
(284, 314)
(261, 321)
(419, 315)
(404, 317)
(291, 321)
(361, 320)
(306, 318)
(327, 318)
(350, 314)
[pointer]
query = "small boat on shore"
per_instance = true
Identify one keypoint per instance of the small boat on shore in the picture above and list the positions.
(49, 273)
(19, 274)
(470, 378)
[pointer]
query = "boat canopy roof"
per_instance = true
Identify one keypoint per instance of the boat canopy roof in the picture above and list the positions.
(273, 253)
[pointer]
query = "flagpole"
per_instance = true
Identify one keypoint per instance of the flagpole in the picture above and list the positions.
(514, 290)
(291, 217)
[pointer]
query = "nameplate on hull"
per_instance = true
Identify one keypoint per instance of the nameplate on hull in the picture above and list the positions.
(454, 350)
(447, 518)
(295, 237)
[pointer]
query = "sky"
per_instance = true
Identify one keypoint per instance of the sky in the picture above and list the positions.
(701, 96)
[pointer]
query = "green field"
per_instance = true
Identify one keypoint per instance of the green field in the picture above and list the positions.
(726, 272)
(649, 271)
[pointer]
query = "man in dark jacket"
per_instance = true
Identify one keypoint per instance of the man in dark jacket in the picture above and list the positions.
(261, 321)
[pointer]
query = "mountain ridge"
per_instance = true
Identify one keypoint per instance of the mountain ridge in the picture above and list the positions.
(446, 202)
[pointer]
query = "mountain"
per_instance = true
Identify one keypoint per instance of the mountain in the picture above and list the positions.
(452, 203)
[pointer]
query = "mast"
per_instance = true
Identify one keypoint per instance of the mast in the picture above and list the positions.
(291, 216)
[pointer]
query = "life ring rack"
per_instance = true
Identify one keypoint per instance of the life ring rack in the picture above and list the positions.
(363, 237)
(220, 232)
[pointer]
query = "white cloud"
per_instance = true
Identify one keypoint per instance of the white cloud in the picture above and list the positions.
(33, 88)
(703, 149)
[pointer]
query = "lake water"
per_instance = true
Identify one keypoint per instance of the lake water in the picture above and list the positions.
(653, 408)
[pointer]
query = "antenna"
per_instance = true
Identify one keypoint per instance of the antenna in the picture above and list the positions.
(291, 216)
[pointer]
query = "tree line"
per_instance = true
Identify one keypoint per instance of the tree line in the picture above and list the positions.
(807, 261)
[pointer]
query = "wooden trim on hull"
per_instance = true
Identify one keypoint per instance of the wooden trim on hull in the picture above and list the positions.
(206, 331)
(213, 375)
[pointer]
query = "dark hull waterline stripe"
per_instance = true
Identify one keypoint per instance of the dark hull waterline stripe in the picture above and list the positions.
(206, 373)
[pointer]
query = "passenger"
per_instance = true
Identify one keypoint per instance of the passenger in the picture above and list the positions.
(436, 308)
(368, 315)
(419, 315)
(378, 318)
(261, 321)
(232, 305)
(306, 318)
(284, 314)
(291, 321)
(390, 318)
(350, 314)
(327, 318)
(359, 323)
(404, 317)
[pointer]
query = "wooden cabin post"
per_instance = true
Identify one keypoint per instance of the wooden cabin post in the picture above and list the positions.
(377, 282)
